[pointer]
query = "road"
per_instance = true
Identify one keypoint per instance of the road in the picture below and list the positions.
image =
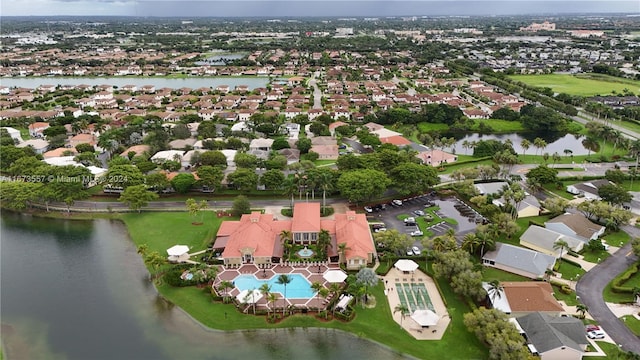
(581, 119)
(590, 286)
(317, 93)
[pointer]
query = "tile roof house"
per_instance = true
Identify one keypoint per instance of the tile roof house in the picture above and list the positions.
(517, 260)
(436, 157)
(326, 152)
(524, 297)
(553, 337)
(543, 240)
(575, 225)
(257, 238)
(588, 189)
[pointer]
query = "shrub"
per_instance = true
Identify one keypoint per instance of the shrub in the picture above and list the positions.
(618, 281)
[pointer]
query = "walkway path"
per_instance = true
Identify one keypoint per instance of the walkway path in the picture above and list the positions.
(589, 289)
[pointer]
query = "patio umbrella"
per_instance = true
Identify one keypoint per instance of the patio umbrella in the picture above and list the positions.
(247, 297)
(335, 276)
(425, 317)
(177, 250)
(406, 265)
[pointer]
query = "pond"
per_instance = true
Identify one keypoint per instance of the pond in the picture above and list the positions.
(79, 290)
(555, 142)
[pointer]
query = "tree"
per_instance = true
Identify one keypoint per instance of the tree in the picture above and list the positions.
(393, 240)
(555, 205)
(272, 179)
(210, 176)
(137, 196)
(304, 145)
(614, 194)
(448, 264)
(265, 289)
(245, 161)
(243, 179)
(543, 174)
(635, 246)
(316, 286)
(225, 285)
(615, 176)
(82, 148)
(154, 260)
(241, 205)
(470, 243)
(284, 280)
(560, 244)
(591, 144)
(361, 185)
(123, 176)
(539, 144)
(495, 290)
(403, 310)
(324, 242)
(285, 239)
(582, 310)
(411, 178)
(368, 278)
(342, 250)
(183, 182)
(468, 283)
(525, 145)
(194, 207)
(17, 195)
(213, 158)
(493, 328)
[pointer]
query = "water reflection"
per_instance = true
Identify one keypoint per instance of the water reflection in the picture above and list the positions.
(556, 142)
(92, 300)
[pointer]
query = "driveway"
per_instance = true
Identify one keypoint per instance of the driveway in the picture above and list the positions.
(590, 286)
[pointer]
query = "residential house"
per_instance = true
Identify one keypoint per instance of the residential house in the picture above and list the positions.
(137, 150)
(326, 152)
(261, 144)
(588, 189)
(577, 226)
(62, 151)
(553, 337)
(40, 146)
(520, 261)
(529, 206)
(83, 139)
(436, 157)
(36, 129)
(543, 240)
(257, 238)
(524, 297)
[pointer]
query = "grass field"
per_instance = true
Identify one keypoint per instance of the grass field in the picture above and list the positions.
(162, 230)
(569, 271)
(632, 323)
(490, 273)
(582, 86)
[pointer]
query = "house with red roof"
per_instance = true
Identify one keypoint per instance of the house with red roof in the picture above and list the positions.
(257, 238)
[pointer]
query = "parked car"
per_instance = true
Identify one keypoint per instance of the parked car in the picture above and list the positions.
(429, 204)
(416, 233)
(378, 226)
(592, 327)
(409, 251)
(396, 202)
(368, 209)
(596, 334)
(418, 212)
(416, 250)
(379, 207)
(380, 230)
(410, 219)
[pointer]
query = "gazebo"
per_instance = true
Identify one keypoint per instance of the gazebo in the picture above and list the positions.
(178, 253)
(425, 318)
(406, 265)
(335, 276)
(249, 296)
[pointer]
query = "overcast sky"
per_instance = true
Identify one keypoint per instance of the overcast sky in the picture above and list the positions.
(272, 8)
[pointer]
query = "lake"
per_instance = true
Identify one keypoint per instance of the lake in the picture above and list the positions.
(158, 82)
(79, 290)
(555, 143)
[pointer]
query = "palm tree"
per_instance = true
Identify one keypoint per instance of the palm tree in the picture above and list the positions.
(323, 293)
(290, 187)
(403, 309)
(284, 279)
(285, 238)
(495, 290)
(582, 310)
(539, 144)
(271, 299)
(225, 285)
(591, 144)
(210, 273)
(465, 146)
(324, 242)
(316, 286)
(560, 244)
(342, 249)
(548, 274)
(326, 182)
(470, 243)
(484, 239)
(525, 145)
(142, 249)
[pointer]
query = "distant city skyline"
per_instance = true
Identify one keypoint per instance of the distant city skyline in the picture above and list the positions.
(301, 8)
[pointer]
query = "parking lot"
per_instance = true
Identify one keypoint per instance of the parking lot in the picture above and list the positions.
(467, 219)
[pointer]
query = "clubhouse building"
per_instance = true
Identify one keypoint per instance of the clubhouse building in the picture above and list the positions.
(257, 238)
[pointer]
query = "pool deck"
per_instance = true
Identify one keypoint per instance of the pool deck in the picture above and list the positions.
(428, 333)
(313, 273)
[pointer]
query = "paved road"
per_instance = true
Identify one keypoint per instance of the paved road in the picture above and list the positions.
(317, 93)
(590, 287)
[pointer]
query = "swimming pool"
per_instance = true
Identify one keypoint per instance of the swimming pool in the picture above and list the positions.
(298, 288)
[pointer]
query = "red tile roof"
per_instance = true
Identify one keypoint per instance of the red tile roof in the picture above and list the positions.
(306, 218)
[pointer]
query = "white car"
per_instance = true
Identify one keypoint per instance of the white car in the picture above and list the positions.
(380, 230)
(397, 202)
(596, 334)
(368, 209)
(416, 250)
(410, 220)
(417, 233)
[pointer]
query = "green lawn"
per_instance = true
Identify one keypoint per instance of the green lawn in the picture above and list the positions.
(593, 256)
(501, 126)
(569, 271)
(451, 168)
(162, 230)
(490, 273)
(582, 86)
(562, 192)
(618, 238)
(569, 299)
(425, 127)
(632, 323)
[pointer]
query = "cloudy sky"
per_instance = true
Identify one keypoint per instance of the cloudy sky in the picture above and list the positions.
(272, 8)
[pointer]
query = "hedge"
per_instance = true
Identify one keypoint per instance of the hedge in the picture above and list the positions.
(618, 281)
(564, 288)
(471, 161)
